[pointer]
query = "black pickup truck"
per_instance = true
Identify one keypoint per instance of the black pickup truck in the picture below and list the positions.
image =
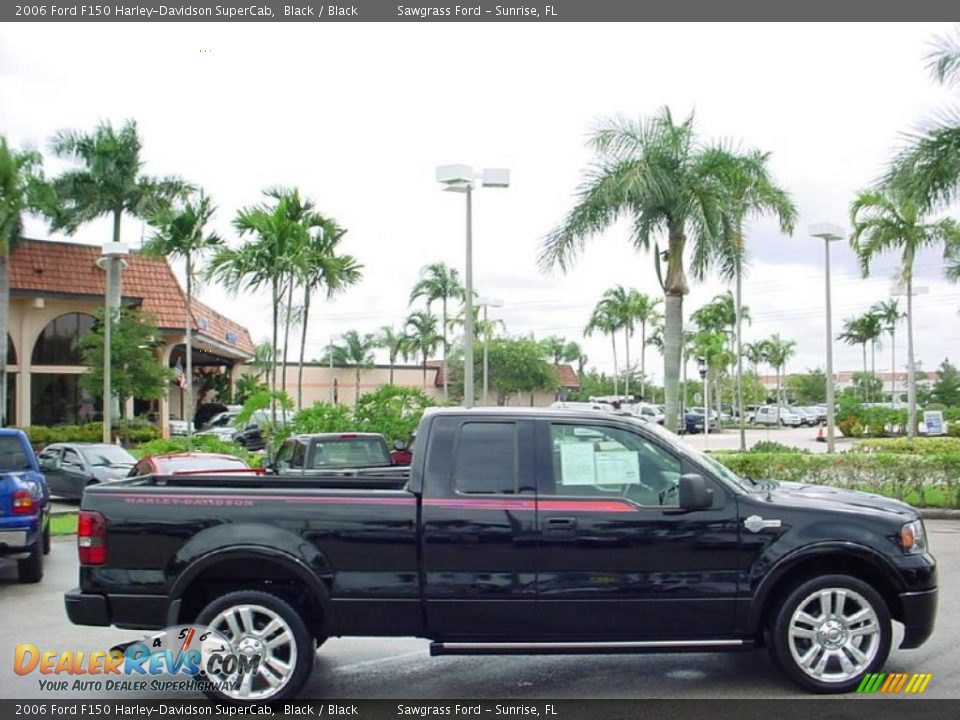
(527, 531)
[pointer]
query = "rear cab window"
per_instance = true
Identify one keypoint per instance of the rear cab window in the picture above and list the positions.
(485, 460)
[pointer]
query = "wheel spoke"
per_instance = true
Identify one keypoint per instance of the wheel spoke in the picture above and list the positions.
(276, 664)
(865, 629)
(281, 639)
(858, 616)
(246, 618)
(858, 656)
(845, 663)
(271, 627)
(825, 602)
(246, 685)
(802, 632)
(271, 679)
(839, 600)
(821, 664)
(231, 620)
(806, 618)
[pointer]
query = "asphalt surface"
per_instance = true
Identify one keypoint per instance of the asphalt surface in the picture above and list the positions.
(369, 668)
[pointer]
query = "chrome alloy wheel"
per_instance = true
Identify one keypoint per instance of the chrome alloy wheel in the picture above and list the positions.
(834, 635)
(256, 631)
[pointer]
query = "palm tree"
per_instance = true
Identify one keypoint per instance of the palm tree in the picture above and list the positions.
(754, 353)
(658, 175)
(16, 175)
(440, 282)
(606, 319)
(873, 330)
(927, 169)
(889, 313)
(855, 333)
(889, 219)
(318, 267)
(109, 181)
(643, 310)
(424, 337)
(751, 191)
(181, 232)
(397, 344)
(777, 352)
(356, 352)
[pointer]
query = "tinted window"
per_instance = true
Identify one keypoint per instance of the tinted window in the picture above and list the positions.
(12, 456)
(486, 458)
(72, 457)
(349, 452)
(59, 343)
(595, 460)
(105, 455)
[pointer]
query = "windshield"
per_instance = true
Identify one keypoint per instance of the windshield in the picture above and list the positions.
(104, 455)
(350, 452)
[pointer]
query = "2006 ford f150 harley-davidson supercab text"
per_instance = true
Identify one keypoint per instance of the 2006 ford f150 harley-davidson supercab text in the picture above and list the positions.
(518, 531)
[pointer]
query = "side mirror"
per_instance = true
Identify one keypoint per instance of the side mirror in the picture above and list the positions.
(50, 463)
(693, 493)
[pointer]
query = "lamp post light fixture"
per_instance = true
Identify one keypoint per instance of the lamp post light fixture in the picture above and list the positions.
(461, 178)
(910, 292)
(703, 369)
(111, 260)
(829, 233)
(485, 303)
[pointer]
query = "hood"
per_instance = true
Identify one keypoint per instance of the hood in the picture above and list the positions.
(112, 472)
(824, 497)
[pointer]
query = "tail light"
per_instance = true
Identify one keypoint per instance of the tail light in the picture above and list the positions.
(23, 503)
(91, 538)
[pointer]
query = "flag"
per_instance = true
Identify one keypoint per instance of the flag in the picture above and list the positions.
(181, 376)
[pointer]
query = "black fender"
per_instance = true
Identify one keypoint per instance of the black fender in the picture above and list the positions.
(220, 543)
(862, 554)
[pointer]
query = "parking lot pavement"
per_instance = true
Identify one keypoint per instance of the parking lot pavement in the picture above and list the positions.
(729, 439)
(402, 668)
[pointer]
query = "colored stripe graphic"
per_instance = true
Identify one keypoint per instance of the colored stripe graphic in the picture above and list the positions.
(894, 683)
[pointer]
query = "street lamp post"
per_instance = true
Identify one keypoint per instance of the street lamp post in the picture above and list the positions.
(910, 292)
(460, 178)
(703, 369)
(829, 233)
(112, 261)
(485, 303)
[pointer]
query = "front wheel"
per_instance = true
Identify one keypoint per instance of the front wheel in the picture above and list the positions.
(261, 625)
(830, 632)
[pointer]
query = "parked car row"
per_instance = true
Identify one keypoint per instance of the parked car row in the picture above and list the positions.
(788, 415)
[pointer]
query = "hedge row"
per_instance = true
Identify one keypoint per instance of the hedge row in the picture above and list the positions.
(902, 476)
(134, 432)
(906, 446)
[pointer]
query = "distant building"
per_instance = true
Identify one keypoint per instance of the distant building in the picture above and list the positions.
(54, 289)
(844, 379)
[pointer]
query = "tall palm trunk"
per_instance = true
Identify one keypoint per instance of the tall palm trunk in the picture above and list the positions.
(424, 369)
(643, 359)
(675, 288)
(616, 386)
(742, 421)
(188, 332)
(873, 365)
(893, 366)
(911, 374)
(866, 383)
(275, 296)
(626, 380)
(393, 360)
(446, 394)
(356, 396)
(286, 335)
(303, 346)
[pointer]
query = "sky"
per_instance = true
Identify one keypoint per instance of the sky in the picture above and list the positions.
(357, 116)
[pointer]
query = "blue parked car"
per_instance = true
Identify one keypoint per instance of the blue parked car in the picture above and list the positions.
(24, 506)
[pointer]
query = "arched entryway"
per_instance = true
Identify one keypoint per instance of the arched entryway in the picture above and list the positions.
(56, 397)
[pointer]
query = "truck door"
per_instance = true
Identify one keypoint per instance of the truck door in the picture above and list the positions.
(479, 528)
(618, 560)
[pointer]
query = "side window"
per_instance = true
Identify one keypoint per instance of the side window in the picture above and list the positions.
(595, 460)
(299, 455)
(486, 458)
(285, 454)
(72, 458)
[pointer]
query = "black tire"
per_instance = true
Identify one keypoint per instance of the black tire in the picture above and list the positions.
(46, 539)
(30, 569)
(302, 642)
(834, 676)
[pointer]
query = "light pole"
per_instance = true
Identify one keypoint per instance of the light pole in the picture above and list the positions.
(112, 261)
(485, 303)
(910, 292)
(460, 178)
(829, 233)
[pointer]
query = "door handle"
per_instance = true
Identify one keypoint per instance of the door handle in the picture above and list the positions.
(560, 527)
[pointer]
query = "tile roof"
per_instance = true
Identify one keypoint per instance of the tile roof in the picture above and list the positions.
(46, 267)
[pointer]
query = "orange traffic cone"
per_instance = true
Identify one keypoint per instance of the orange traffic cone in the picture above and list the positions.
(820, 437)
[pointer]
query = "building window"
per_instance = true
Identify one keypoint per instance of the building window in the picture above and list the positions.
(59, 343)
(11, 351)
(11, 416)
(58, 399)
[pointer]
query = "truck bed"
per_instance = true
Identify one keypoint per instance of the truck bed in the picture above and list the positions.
(387, 479)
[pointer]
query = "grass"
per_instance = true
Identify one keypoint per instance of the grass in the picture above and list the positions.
(65, 524)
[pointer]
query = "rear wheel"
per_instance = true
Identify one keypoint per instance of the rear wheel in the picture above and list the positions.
(260, 624)
(46, 539)
(30, 569)
(830, 632)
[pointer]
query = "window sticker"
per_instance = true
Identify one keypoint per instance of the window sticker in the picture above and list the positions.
(576, 463)
(617, 467)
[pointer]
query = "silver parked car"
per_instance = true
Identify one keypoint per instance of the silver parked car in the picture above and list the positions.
(70, 467)
(782, 415)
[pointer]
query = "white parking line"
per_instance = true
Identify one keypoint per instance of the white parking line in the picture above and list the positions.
(378, 661)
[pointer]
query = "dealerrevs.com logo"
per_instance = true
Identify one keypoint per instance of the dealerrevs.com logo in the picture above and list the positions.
(184, 657)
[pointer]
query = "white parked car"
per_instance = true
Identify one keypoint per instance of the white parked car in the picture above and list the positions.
(768, 415)
(178, 426)
(646, 411)
(576, 405)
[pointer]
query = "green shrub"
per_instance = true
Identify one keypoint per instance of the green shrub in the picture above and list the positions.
(323, 417)
(850, 427)
(889, 474)
(953, 430)
(392, 411)
(906, 446)
(201, 443)
(769, 446)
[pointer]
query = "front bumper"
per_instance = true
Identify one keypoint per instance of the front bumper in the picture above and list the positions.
(919, 616)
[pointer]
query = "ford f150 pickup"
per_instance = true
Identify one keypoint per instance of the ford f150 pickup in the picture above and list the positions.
(525, 531)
